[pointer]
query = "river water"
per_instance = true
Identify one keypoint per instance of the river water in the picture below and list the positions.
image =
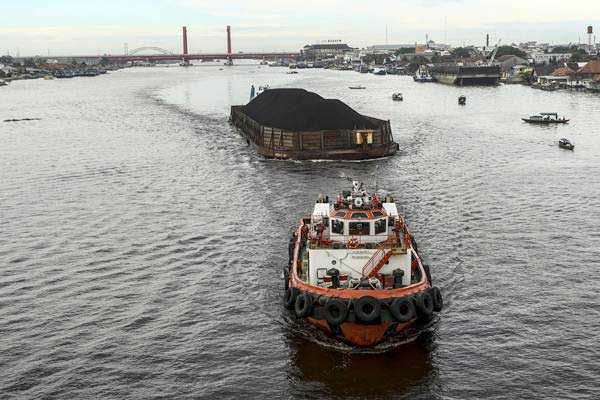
(142, 241)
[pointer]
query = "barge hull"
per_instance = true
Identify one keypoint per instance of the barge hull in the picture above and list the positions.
(321, 145)
(467, 76)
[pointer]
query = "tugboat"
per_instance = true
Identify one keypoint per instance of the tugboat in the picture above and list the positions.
(355, 271)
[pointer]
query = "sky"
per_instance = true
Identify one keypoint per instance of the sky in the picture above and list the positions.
(91, 27)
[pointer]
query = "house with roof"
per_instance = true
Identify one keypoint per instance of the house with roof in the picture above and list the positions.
(594, 85)
(507, 62)
(589, 70)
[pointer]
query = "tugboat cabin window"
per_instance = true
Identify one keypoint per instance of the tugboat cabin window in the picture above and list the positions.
(340, 214)
(380, 226)
(377, 213)
(337, 226)
(360, 215)
(359, 228)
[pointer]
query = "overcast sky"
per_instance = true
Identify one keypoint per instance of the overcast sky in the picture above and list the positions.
(67, 27)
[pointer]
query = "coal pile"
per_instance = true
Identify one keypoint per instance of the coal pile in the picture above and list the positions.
(300, 110)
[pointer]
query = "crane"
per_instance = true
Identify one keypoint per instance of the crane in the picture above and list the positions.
(494, 52)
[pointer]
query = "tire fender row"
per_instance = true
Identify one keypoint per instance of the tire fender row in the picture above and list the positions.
(367, 309)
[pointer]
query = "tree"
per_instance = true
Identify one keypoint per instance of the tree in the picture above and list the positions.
(461, 52)
(6, 60)
(104, 61)
(405, 50)
(510, 51)
(29, 63)
(578, 55)
(436, 59)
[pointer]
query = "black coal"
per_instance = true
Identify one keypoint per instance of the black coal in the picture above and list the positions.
(300, 110)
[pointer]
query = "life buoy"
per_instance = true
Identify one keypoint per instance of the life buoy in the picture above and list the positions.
(289, 299)
(353, 243)
(303, 305)
(358, 202)
(367, 309)
(403, 309)
(335, 311)
(424, 304)
(438, 300)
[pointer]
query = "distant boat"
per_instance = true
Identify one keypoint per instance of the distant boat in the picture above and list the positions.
(379, 71)
(291, 72)
(3, 83)
(357, 87)
(565, 144)
(397, 97)
(421, 76)
(462, 100)
(546, 118)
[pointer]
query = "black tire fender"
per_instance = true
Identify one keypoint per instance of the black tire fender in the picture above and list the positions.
(335, 311)
(403, 309)
(303, 305)
(289, 299)
(367, 309)
(438, 300)
(424, 303)
(286, 278)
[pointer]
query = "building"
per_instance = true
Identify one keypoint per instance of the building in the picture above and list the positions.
(388, 48)
(589, 71)
(547, 58)
(507, 62)
(325, 50)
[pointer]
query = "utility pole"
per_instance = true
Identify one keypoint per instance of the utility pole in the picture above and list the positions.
(386, 34)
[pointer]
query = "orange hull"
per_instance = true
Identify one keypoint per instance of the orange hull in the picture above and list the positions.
(363, 335)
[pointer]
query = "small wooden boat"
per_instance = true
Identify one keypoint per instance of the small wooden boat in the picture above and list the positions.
(397, 97)
(546, 118)
(3, 83)
(565, 144)
(357, 87)
(462, 100)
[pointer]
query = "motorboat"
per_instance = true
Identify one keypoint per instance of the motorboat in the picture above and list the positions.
(462, 100)
(546, 118)
(3, 82)
(357, 87)
(355, 271)
(565, 144)
(397, 97)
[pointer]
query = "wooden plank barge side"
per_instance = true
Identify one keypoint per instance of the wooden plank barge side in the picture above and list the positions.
(343, 144)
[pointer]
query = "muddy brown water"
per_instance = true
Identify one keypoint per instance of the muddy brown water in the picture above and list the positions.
(142, 241)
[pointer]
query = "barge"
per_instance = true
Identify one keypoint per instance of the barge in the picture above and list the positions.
(301, 125)
(452, 74)
(355, 271)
